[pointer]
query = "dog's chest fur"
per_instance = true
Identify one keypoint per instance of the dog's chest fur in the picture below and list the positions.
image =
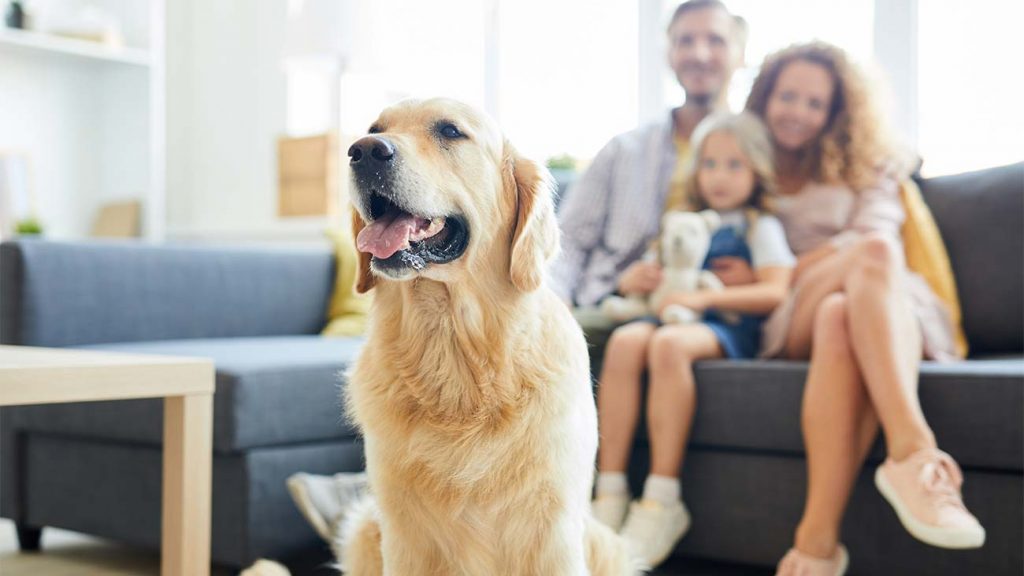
(453, 404)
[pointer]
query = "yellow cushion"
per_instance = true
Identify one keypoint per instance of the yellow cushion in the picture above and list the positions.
(348, 310)
(926, 255)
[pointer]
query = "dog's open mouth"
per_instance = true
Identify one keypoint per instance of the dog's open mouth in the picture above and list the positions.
(399, 239)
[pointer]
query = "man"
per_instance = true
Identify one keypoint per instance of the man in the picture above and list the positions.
(614, 210)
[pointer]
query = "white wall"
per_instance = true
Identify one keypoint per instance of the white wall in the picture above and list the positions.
(123, 123)
(82, 123)
(225, 110)
(49, 114)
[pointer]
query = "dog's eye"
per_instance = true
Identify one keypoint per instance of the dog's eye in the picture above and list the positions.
(375, 129)
(449, 131)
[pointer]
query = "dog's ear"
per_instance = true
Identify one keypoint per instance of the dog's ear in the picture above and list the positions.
(535, 232)
(365, 279)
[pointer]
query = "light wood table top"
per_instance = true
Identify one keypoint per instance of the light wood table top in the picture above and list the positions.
(31, 375)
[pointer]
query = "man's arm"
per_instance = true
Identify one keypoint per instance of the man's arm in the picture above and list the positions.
(582, 217)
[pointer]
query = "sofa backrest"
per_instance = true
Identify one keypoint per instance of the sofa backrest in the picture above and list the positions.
(981, 218)
(74, 293)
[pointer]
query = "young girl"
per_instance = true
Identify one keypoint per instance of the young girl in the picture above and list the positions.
(729, 171)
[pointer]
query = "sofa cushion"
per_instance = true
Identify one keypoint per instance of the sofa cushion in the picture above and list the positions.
(270, 391)
(976, 408)
(89, 292)
(981, 218)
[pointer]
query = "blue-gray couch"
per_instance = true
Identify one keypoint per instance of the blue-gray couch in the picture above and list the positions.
(95, 468)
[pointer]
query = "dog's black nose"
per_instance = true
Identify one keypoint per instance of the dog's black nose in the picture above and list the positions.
(372, 148)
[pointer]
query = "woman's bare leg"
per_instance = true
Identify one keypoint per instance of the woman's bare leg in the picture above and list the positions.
(887, 343)
(884, 334)
(839, 427)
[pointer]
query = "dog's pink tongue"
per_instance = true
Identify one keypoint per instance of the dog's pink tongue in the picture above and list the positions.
(387, 235)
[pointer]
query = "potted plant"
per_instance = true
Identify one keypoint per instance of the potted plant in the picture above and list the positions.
(563, 169)
(29, 227)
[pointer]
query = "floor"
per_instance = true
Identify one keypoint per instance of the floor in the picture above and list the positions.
(71, 554)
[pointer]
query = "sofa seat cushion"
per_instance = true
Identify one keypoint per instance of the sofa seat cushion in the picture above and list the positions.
(270, 391)
(976, 408)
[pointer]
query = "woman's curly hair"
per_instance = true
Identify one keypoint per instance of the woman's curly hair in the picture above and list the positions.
(854, 145)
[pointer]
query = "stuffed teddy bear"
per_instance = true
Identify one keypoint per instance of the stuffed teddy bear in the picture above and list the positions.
(685, 240)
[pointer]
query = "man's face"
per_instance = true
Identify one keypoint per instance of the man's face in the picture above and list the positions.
(702, 52)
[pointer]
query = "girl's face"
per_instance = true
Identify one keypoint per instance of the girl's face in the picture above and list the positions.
(724, 175)
(798, 105)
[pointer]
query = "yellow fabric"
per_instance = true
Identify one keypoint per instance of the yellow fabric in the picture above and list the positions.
(348, 310)
(676, 199)
(926, 255)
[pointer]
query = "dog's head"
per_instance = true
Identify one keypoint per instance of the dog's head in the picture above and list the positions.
(439, 193)
(686, 237)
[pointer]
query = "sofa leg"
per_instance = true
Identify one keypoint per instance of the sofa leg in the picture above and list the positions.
(29, 538)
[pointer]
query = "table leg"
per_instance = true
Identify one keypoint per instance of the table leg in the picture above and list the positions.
(188, 446)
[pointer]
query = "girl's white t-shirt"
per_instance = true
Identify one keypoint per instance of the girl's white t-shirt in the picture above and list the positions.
(767, 239)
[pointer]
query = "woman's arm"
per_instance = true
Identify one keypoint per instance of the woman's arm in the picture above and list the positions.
(878, 209)
(759, 298)
(809, 259)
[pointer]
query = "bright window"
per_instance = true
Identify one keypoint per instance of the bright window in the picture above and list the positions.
(567, 79)
(412, 49)
(563, 76)
(970, 88)
(387, 50)
(779, 23)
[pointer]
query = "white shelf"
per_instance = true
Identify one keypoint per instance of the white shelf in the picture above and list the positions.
(311, 229)
(81, 48)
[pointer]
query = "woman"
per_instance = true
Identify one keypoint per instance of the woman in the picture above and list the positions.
(861, 318)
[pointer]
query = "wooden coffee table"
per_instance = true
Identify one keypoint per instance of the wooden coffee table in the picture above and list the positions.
(30, 375)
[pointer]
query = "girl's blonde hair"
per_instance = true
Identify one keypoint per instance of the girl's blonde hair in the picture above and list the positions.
(853, 146)
(752, 137)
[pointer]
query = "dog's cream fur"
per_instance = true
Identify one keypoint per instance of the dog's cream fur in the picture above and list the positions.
(473, 391)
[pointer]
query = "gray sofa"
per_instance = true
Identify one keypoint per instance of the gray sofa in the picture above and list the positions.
(745, 475)
(95, 468)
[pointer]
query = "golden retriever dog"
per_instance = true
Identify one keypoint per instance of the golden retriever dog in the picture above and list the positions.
(473, 390)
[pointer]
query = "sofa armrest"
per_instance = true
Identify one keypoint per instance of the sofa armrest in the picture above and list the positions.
(75, 293)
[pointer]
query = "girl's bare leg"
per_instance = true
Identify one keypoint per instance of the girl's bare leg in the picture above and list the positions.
(618, 394)
(671, 396)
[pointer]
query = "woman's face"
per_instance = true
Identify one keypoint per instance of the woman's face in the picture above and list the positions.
(798, 105)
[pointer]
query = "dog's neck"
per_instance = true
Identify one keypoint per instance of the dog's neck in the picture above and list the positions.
(456, 349)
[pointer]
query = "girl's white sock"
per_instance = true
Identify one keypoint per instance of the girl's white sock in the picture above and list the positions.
(662, 489)
(611, 484)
